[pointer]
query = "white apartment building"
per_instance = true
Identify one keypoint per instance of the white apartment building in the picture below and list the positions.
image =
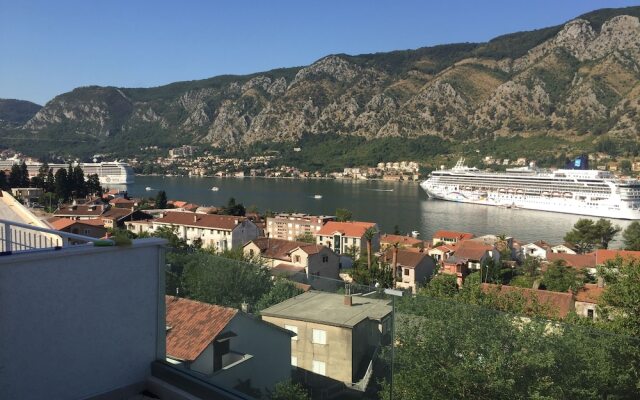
(221, 232)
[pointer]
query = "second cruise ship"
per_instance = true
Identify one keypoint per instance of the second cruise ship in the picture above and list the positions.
(573, 191)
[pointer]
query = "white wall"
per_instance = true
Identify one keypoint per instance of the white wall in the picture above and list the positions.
(80, 321)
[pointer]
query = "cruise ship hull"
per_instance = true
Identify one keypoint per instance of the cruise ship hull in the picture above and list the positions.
(540, 203)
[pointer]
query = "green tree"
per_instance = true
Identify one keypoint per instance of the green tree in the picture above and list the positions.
(530, 267)
(283, 289)
(583, 236)
(93, 185)
(218, 280)
(586, 234)
(61, 187)
(343, 215)
(233, 208)
(77, 182)
(170, 234)
(161, 200)
(288, 391)
(442, 286)
(306, 237)
(15, 178)
(369, 235)
(631, 236)
(620, 302)
(625, 166)
(24, 175)
(605, 232)
(4, 183)
(561, 278)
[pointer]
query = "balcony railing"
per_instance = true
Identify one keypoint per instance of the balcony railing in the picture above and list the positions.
(16, 237)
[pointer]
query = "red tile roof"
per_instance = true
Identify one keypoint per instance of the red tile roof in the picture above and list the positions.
(222, 222)
(121, 200)
(193, 326)
(590, 293)
(403, 240)
(408, 259)
(602, 255)
(559, 303)
(452, 235)
(578, 261)
(471, 250)
(349, 229)
(281, 249)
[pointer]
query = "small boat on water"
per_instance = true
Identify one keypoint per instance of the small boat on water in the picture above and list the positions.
(215, 189)
(148, 188)
(317, 196)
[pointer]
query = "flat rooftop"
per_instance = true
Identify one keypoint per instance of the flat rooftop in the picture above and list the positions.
(329, 309)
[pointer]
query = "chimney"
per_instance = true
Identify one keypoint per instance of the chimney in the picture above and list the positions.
(195, 218)
(600, 281)
(244, 307)
(348, 300)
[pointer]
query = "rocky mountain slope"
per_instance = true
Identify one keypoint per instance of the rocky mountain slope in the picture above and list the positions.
(570, 81)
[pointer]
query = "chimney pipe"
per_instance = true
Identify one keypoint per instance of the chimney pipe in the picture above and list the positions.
(348, 300)
(195, 218)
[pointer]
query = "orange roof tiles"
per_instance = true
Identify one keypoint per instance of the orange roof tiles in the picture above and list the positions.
(350, 229)
(559, 303)
(63, 223)
(604, 255)
(590, 293)
(578, 261)
(222, 222)
(193, 326)
(280, 248)
(406, 258)
(470, 250)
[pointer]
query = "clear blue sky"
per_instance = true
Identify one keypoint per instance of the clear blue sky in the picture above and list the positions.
(50, 47)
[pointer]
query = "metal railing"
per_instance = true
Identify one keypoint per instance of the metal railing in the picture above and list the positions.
(19, 237)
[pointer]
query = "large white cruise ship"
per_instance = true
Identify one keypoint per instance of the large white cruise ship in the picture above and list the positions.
(114, 173)
(584, 192)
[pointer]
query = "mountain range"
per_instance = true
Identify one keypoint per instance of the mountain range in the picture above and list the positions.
(576, 82)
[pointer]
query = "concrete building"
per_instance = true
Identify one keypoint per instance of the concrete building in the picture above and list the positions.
(586, 299)
(414, 268)
(226, 346)
(292, 226)
(469, 255)
(303, 262)
(74, 327)
(221, 232)
(344, 237)
(337, 336)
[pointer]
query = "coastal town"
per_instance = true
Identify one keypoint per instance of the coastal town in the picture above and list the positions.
(320, 200)
(326, 262)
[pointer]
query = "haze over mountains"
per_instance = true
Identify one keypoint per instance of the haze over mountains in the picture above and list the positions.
(572, 81)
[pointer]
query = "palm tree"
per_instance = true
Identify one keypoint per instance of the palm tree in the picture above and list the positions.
(394, 262)
(369, 234)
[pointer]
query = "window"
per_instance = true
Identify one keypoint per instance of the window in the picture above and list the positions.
(294, 361)
(87, 232)
(293, 329)
(406, 271)
(297, 258)
(319, 368)
(251, 252)
(319, 336)
(325, 259)
(590, 313)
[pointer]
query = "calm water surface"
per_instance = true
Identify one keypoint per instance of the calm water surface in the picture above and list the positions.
(387, 203)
